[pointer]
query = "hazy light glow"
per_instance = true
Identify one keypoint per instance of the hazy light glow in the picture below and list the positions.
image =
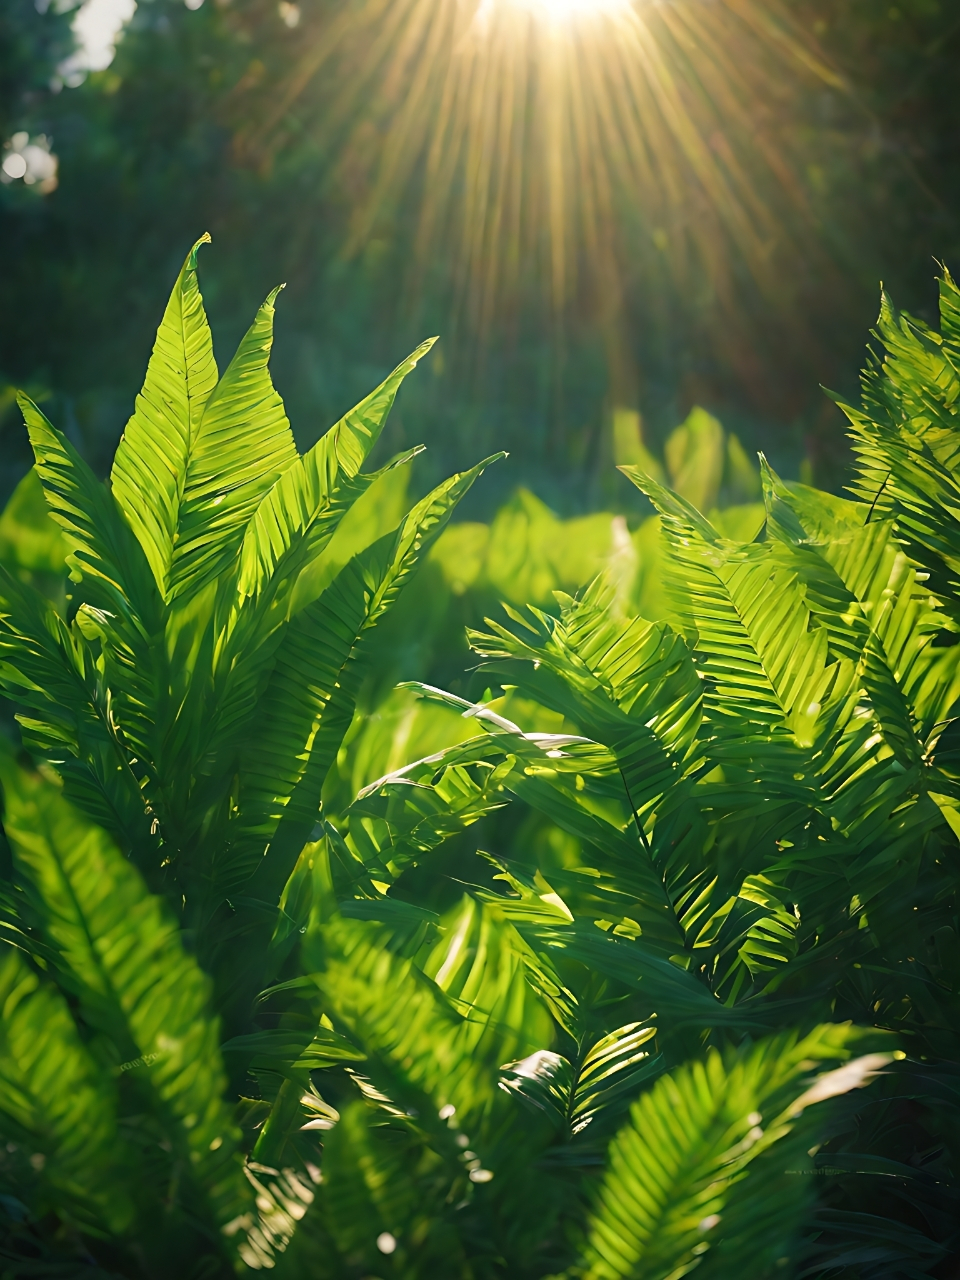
(31, 160)
(97, 26)
(595, 150)
(559, 11)
(14, 165)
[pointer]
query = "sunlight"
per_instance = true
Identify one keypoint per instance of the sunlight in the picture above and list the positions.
(558, 11)
(585, 149)
(96, 27)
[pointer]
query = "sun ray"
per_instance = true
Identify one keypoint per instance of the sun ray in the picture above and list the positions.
(590, 145)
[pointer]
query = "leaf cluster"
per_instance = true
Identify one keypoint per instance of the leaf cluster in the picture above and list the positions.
(648, 966)
(184, 699)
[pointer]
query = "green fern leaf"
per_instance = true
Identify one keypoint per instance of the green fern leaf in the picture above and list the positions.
(242, 445)
(309, 702)
(121, 954)
(104, 553)
(596, 1087)
(420, 1049)
(150, 465)
(301, 511)
(676, 1167)
(52, 675)
(56, 1108)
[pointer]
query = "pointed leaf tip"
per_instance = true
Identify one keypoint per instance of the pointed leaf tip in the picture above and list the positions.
(765, 467)
(478, 469)
(636, 474)
(425, 347)
(191, 262)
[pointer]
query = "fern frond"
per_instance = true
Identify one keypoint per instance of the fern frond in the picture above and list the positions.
(57, 1111)
(241, 446)
(149, 469)
(120, 954)
(676, 1168)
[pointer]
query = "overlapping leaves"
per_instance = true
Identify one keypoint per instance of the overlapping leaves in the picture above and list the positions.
(574, 995)
(191, 696)
(757, 796)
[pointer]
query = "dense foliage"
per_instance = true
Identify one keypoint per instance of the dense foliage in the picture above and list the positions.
(647, 963)
(192, 698)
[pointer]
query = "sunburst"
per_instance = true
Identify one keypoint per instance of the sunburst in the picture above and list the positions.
(586, 151)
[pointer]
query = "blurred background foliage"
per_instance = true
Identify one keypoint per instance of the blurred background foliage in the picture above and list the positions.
(606, 235)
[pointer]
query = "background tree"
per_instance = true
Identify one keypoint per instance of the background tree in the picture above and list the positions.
(229, 117)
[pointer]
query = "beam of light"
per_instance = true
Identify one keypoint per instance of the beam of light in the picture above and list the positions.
(558, 11)
(592, 151)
